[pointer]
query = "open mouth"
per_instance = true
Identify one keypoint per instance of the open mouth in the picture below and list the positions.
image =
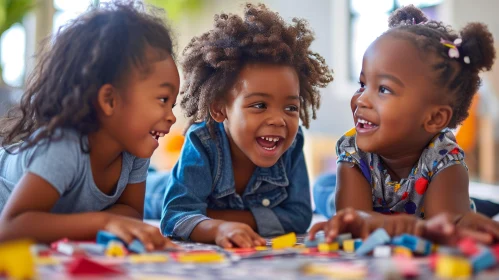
(364, 124)
(269, 143)
(156, 134)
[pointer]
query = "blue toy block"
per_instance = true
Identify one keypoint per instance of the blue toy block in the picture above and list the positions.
(343, 237)
(378, 237)
(483, 260)
(319, 238)
(137, 247)
(357, 243)
(413, 243)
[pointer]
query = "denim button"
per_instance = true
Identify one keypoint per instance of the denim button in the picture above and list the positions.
(265, 202)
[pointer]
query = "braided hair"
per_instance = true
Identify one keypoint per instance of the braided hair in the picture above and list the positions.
(213, 60)
(99, 47)
(458, 76)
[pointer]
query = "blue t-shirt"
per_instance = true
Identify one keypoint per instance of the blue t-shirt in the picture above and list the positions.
(67, 168)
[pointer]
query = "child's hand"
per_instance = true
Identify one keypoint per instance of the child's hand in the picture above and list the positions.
(239, 234)
(443, 230)
(129, 229)
(345, 220)
(478, 222)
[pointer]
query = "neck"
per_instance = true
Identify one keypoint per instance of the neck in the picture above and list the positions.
(104, 150)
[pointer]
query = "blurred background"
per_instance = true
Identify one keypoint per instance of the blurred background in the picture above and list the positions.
(343, 29)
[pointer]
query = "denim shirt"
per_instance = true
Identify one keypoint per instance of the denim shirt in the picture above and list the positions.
(277, 196)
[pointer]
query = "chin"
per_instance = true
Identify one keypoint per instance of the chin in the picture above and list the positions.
(265, 163)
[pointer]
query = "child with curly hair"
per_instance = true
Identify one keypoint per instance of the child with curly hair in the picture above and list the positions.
(417, 83)
(248, 83)
(75, 153)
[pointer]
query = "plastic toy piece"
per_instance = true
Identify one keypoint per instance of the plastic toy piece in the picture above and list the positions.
(84, 266)
(378, 237)
(115, 249)
(208, 257)
(137, 247)
(351, 245)
(242, 250)
(343, 237)
(284, 241)
(261, 248)
(453, 267)
(383, 251)
(46, 261)
(468, 246)
(414, 243)
(70, 249)
(402, 251)
(148, 258)
(326, 248)
(483, 260)
(409, 268)
(16, 260)
(319, 238)
(449, 251)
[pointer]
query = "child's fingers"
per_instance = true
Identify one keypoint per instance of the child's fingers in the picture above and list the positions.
(419, 228)
(493, 228)
(241, 240)
(333, 227)
(257, 239)
(169, 244)
(225, 243)
(482, 237)
(145, 238)
(123, 234)
(316, 228)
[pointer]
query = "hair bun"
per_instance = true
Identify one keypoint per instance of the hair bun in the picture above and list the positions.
(478, 45)
(406, 15)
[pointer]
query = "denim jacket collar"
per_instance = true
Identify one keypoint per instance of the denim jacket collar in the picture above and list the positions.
(275, 174)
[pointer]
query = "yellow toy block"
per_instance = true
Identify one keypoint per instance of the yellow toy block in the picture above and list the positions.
(115, 249)
(46, 261)
(402, 251)
(349, 245)
(208, 257)
(299, 246)
(261, 248)
(148, 258)
(284, 241)
(453, 267)
(16, 260)
(326, 248)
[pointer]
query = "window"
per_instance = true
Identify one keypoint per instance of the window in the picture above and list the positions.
(66, 10)
(369, 19)
(13, 53)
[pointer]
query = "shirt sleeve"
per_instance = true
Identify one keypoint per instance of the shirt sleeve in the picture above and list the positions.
(347, 151)
(57, 162)
(442, 152)
(138, 174)
(187, 191)
(294, 214)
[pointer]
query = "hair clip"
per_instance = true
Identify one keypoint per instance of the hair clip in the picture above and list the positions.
(454, 50)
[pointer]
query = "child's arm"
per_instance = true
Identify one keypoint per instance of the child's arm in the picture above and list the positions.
(27, 215)
(242, 216)
(352, 189)
(131, 202)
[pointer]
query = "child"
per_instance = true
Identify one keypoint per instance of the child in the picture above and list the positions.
(242, 168)
(76, 153)
(417, 82)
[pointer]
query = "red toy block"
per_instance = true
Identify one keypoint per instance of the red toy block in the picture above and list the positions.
(84, 266)
(433, 259)
(468, 246)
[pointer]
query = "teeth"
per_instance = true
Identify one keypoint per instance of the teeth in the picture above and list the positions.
(161, 134)
(365, 122)
(270, 139)
(270, 149)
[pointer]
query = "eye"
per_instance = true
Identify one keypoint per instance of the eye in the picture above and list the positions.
(361, 88)
(163, 99)
(292, 108)
(259, 106)
(384, 90)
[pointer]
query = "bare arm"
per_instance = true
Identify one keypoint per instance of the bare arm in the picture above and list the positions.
(131, 202)
(448, 192)
(240, 216)
(352, 189)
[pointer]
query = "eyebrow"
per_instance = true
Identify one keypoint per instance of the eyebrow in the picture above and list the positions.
(167, 85)
(388, 76)
(266, 95)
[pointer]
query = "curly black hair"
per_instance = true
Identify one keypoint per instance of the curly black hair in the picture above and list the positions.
(458, 77)
(99, 47)
(213, 60)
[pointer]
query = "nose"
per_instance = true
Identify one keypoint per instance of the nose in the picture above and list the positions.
(170, 117)
(362, 99)
(276, 120)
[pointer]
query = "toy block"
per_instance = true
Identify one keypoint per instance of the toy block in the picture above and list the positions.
(483, 260)
(208, 257)
(70, 249)
(377, 237)
(449, 251)
(351, 245)
(414, 243)
(328, 247)
(402, 251)
(84, 266)
(343, 237)
(148, 258)
(261, 248)
(383, 251)
(242, 250)
(46, 261)
(284, 241)
(468, 246)
(16, 260)
(453, 267)
(136, 247)
(319, 238)
(409, 268)
(115, 249)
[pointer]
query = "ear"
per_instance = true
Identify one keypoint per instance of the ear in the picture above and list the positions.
(438, 118)
(107, 99)
(218, 111)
